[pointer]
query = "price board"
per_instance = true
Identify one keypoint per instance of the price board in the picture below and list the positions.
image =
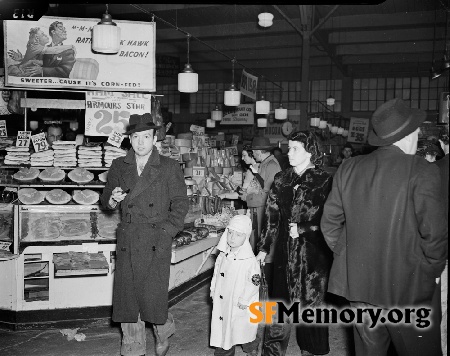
(198, 172)
(358, 130)
(233, 150)
(3, 132)
(39, 142)
(23, 139)
(115, 138)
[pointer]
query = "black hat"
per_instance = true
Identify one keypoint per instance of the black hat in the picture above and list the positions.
(141, 123)
(261, 143)
(394, 120)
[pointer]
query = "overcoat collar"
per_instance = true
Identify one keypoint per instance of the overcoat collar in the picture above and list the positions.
(149, 174)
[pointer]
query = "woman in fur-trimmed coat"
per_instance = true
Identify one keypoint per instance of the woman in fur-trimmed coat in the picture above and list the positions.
(302, 259)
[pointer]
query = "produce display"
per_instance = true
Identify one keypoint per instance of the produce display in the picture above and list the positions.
(25, 174)
(189, 235)
(57, 196)
(80, 175)
(52, 175)
(30, 196)
(85, 196)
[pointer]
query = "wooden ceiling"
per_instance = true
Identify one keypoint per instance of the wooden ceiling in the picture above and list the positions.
(394, 38)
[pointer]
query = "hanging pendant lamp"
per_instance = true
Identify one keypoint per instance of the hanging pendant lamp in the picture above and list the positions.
(106, 35)
(188, 79)
(217, 114)
(262, 122)
(232, 96)
(262, 106)
(265, 19)
(210, 123)
(281, 113)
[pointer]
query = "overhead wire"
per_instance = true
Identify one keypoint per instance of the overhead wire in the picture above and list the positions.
(252, 71)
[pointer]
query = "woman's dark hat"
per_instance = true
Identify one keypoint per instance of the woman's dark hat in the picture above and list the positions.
(261, 143)
(141, 123)
(394, 120)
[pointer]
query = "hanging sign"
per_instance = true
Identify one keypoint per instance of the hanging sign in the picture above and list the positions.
(249, 84)
(64, 58)
(39, 142)
(115, 138)
(23, 139)
(106, 111)
(239, 115)
(3, 132)
(198, 136)
(358, 130)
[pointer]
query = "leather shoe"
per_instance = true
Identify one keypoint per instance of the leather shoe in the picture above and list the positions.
(162, 348)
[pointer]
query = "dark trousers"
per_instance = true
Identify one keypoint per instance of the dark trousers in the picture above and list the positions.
(247, 348)
(313, 339)
(407, 339)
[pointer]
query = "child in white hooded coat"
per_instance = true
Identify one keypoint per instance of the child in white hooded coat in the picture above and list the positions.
(234, 286)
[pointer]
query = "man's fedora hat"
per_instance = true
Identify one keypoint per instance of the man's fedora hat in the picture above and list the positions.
(394, 120)
(140, 123)
(261, 143)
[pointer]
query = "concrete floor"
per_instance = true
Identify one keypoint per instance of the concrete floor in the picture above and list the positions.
(192, 316)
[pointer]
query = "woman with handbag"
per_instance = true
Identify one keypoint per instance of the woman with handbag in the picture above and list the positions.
(302, 259)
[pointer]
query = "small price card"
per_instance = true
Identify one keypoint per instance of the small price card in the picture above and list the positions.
(115, 138)
(234, 140)
(39, 142)
(3, 131)
(222, 144)
(233, 150)
(23, 139)
(198, 171)
(4, 246)
(212, 143)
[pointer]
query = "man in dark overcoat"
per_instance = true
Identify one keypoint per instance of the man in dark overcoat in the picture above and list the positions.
(385, 222)
(149, 190)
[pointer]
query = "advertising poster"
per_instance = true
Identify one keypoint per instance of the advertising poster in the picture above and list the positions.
(108, 111)
(358, 130)
(239, 115)
(55, 52)
(249, 84)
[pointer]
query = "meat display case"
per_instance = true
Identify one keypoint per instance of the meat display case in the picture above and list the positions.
(65, 260)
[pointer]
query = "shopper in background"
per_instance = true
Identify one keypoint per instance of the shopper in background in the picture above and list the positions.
(281, 158)
(427, 150)
(384, 220)
(268, 167)
(150, 192)
(53, 132)
(346, 152)
(443, 165)
(291, 231)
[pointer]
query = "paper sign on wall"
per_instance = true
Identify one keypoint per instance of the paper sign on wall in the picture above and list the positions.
(3, 132)
(108, 111)
(198, 136)
(239, 115)
(249, 84)
(358, 130)
(39, 142)
(23, 139)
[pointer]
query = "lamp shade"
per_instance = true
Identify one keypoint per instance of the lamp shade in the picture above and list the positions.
(345, 133)
(187, 80)
(210, 123)
(262, 122)
(106, 36)
(281, 113)
(265, 19)
(216, 114)
(330, 101)
(232, 96)
(315, 121)
(34, 125)
(340, 131)
(262, 106)
(334, 129)
(322, 124)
